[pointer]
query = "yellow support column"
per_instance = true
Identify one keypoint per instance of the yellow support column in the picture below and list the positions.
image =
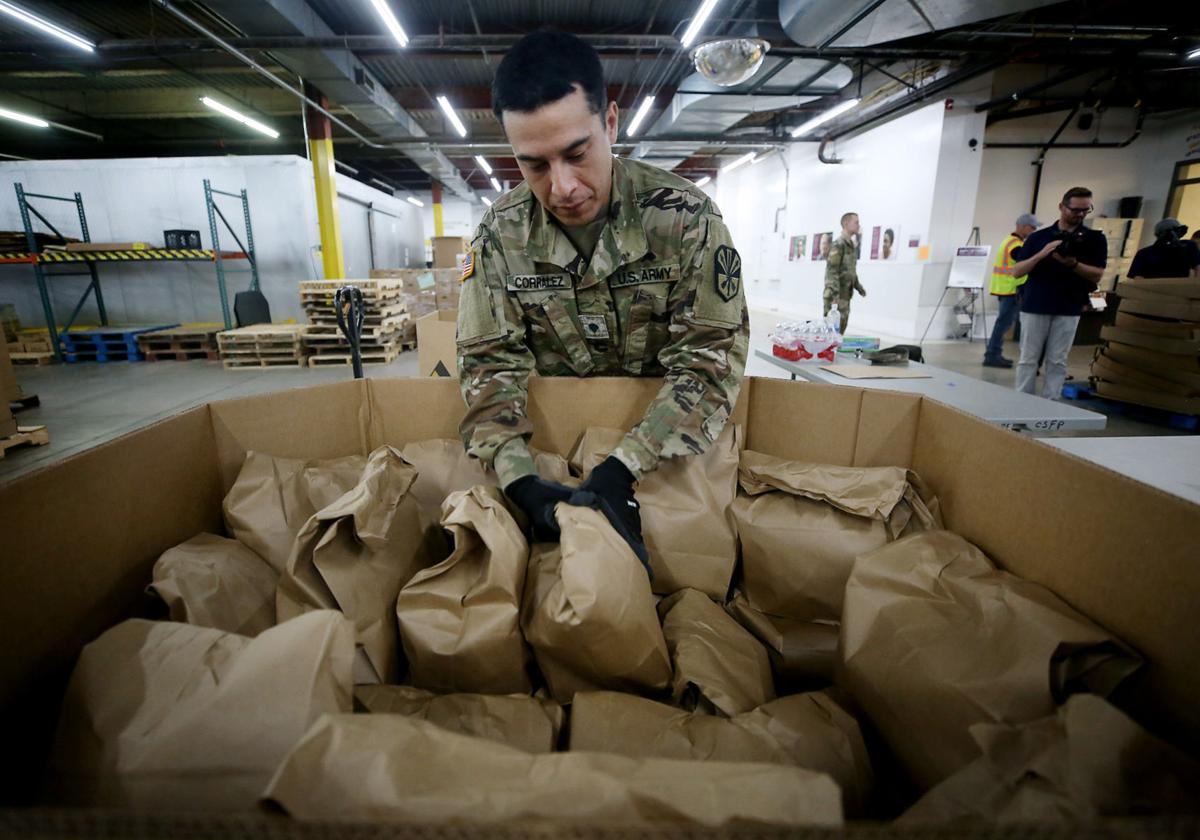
(320, 144)
(439, 229)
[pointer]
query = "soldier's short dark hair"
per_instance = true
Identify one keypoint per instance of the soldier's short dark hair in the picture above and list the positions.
(545, 66)
(1076, 192)
(847, 217)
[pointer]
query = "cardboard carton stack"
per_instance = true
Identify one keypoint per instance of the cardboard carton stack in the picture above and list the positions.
(263, 345)
(1151, 354)
(1124, 236)
(426, 290)
(386, 322)
(448, 251)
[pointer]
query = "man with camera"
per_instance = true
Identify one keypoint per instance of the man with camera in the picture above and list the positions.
(1170, 256)
(1064, 263)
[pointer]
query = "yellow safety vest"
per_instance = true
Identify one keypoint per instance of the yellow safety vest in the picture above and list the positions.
(1003, 282)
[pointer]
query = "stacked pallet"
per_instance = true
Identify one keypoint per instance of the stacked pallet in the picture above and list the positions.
(386, 328)
(180, 343)
(426, 290)
(1124, 236)
(31, 347)
(106, 344)
(1151, 354)
(262, 346)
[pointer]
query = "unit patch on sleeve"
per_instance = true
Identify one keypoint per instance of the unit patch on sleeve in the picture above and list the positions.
(727, 272)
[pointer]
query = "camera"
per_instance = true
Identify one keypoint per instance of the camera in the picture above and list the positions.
(1069, 242)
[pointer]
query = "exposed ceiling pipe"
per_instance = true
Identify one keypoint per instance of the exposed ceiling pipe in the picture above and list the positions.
(1012, 98)
(1113, 144)
(821, 153)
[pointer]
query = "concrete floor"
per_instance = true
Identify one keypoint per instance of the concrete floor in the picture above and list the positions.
(83, 405)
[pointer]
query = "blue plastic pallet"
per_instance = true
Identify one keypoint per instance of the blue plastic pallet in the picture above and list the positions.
(1145, 413)
(106, 344)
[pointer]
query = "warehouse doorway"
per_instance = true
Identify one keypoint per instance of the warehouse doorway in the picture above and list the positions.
(1183, 199)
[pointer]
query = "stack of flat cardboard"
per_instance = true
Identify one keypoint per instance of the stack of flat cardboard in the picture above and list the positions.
(1124, 237)
(387, 324)
(1151, 354)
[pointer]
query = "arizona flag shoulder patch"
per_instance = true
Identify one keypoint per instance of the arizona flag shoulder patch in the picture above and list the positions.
(468, 266)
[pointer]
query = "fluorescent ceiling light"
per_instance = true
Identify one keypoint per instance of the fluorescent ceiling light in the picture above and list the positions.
(346, 167)
(821, 119)
(242, 118)
(642, 110)
(698, 21)
(23, 118)
(762, 156)
(482, 161)
(496, 185)
(742, 161)
(389, 20)
(448, 109)
(412, 199)
(46, 26)
(1194, 54)
(383, 184)
(486, 200)
(703, 180)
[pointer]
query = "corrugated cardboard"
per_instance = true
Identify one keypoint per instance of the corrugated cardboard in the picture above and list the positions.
(448, 251)
(1153, 360)
(437, 353)
(10, 391)
(1117, 551)
(1150, 341)
(1185, 330)
(8, 424)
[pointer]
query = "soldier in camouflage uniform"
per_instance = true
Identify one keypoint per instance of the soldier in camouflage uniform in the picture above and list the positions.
(841, 270)
(594, 266)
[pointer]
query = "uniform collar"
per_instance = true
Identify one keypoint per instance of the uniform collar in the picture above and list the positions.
(622, 241)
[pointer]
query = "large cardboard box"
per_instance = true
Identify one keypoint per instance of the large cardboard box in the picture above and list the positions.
(81, 536)
(10, 391)
(448, 251)
(437, 353)
(8, 425)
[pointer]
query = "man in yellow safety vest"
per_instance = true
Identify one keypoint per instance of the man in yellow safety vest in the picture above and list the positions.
(1004, 286)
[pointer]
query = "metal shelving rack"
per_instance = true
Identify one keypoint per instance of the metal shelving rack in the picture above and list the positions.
(42, 260)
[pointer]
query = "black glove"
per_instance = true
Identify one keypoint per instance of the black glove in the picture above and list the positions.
(537, 498)
(611, 483)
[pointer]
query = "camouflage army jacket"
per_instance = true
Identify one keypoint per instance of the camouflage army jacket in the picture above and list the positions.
(661, 297)
(841, 266)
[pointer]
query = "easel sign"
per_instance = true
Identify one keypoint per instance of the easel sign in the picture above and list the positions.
(971, 266)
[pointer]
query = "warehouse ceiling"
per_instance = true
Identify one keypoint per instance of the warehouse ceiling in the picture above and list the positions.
(139, 92)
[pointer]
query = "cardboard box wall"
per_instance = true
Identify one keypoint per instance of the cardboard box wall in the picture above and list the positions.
(81, 536)
(448, 251)
(437, 352)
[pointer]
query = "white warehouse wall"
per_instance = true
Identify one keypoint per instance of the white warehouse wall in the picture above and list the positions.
(139, 198)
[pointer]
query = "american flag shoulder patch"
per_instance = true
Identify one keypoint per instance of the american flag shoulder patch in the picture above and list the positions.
(468, 267)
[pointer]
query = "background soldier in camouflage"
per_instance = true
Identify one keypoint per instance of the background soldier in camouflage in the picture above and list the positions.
(594, 266)
(841, 270)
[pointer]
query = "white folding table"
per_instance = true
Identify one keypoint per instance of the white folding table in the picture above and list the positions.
(994, 403)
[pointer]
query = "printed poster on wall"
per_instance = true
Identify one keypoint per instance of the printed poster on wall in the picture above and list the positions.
(883, 242)
(796, 248)
(821, 243)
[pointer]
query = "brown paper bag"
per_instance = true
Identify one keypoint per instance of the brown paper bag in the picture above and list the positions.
(528, 723)
(1087, 762)
(161, 715)
(687, 519)
(718, 665)
(460, 620)
(803, 653)
(354, 555)
(444, 467)
(391, 767)
(803, 730)
(215, 582)
(589, 614)
(936, 639)
(801, 525)
(272, 498)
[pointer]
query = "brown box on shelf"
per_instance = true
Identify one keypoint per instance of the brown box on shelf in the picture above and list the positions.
(448, 251)
(108, 246)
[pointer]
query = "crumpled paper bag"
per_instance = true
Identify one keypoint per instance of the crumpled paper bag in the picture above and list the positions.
(460, 620)
(1086, 762)
(589, 613)
(528, 723)
(391, 767)
(216, 582)
(687, 518)
(161, 715)
(273, 498)
(444, 467)
(801, 525)
(936, 639)
(804, 730)
(354, 555)
(803, 653)
(719, 666)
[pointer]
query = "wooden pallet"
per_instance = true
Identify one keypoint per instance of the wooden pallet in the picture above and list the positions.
(33, 359)
(372, 313)
(368, 358)
(256, 363)
(179, 340)
(181, 355)
(25, 436)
